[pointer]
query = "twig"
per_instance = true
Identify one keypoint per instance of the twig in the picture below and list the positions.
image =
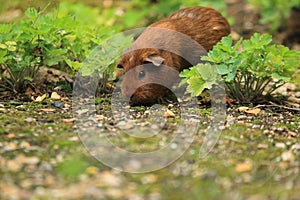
(279, 106)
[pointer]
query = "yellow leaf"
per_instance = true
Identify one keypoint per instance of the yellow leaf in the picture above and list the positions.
(69, 120)
(39, 99)
(12, 48)
(92, 170)
(253, 111)
(169, 113)
(244, 167)
(3, 46)
(48, 109)
(11, 43)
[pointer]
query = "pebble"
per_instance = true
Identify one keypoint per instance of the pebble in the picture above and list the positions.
(262, 146)
(30, 119)
(174, 146)
(256, 126)
(291, 133)
(288, 156)
(241, 117)
(280, 145)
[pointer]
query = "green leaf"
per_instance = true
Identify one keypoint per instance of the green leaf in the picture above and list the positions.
(230, 76)
(206, 71)
(196, 85)
(279, 77)
(75, 65)
(227, 41)
(2, 56)
(222, 69)
(31, 13)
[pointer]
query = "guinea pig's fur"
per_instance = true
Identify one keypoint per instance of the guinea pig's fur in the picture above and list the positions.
(177, 43)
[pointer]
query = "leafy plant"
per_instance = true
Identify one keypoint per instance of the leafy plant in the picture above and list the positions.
(57, 39)
(274, 12)
(250, 74)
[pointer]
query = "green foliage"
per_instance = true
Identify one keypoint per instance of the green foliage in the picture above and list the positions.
(62, 38)
(274, 12)
(200, 77)
(139, 13)
(257, 70)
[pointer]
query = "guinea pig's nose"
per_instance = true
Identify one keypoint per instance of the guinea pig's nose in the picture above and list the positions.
(126, 92)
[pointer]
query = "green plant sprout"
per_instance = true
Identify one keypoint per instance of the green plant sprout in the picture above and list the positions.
(250, 74)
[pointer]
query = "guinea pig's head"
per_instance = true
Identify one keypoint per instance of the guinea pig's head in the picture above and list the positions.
(147, 75)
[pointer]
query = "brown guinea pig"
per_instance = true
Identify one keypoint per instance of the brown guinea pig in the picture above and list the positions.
(166, 47)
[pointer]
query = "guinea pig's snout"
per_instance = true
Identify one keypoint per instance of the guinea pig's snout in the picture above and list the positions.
(125, 90)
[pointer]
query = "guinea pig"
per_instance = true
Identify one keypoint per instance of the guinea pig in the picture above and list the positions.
(165, 48)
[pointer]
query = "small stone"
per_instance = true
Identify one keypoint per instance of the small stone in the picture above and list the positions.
(266, 131)
(55, 96)
(262, 146)
(295, 147)
(57, 104)
(241, 117)
(288, 156)
(280, 145)
(291, 133)
(30, 119)
(256, 126)
(174, 146)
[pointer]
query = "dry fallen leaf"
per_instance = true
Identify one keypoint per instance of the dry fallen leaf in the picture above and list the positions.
(243, 108)
(29, 92)
(48, 109)
(244, 167)
(92, 170)
(39, 99)
(55, 96)
(100, 116)
(68, 120)
(169, 113)
(65, 99)
(67, 106)
(254, 111)
(11, 135)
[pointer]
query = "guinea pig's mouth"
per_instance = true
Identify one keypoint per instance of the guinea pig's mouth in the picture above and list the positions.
(138, 99)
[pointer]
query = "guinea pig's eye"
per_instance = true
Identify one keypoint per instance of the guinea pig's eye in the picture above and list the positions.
(141, 74)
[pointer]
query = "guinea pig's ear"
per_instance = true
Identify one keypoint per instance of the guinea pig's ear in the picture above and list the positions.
(156, 60)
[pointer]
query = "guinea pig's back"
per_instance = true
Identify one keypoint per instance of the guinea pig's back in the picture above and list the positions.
(205, 25)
